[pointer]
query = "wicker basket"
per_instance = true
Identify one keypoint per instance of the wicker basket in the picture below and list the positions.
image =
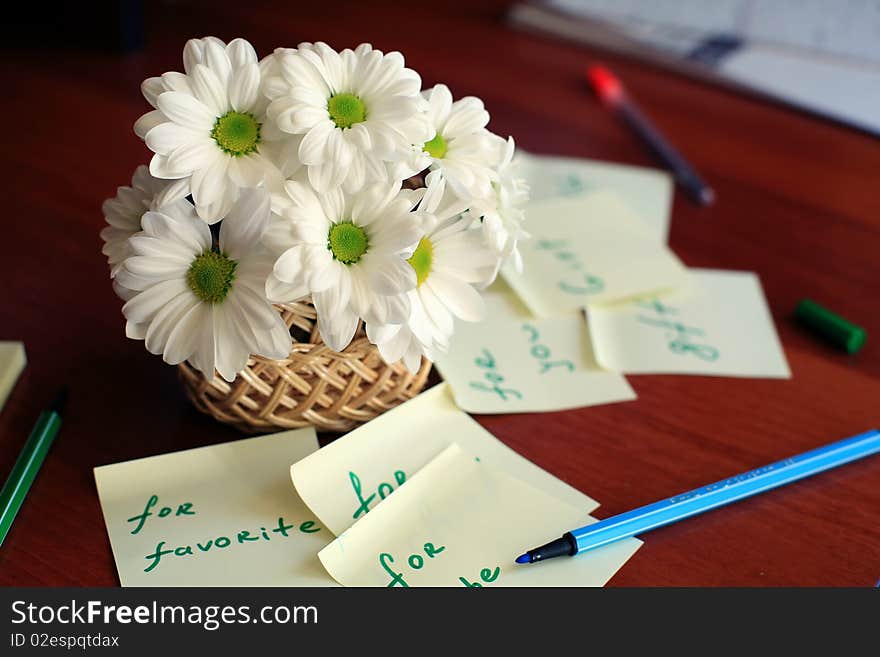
(315, 386)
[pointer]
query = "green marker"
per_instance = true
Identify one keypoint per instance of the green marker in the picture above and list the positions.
(28, 463)
(832, 327)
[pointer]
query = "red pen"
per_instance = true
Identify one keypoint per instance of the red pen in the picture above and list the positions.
(612, 93)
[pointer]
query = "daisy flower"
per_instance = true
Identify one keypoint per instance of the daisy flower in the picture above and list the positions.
(356, 111)
(123, 214)
(209, 126)
(501, 215)
(199, 303)
(460, 152)
(348, 251)
(448, 261)
(280, 147)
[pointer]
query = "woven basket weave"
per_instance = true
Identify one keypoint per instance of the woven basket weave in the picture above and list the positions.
(314, 386)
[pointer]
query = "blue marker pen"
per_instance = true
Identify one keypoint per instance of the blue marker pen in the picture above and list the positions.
(709, 497)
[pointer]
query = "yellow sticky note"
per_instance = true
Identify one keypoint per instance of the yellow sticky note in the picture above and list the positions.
(459, 522)
(504, 365)
(647, 192)
(224, 515)
(344, 480)
(12, 362)
(589, 249)
(718, 325)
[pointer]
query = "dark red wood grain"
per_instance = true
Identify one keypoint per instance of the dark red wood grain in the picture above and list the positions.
(798, 203)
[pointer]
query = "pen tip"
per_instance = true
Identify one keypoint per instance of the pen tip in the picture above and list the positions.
(60, 400)
(707, 196)
(523, 558)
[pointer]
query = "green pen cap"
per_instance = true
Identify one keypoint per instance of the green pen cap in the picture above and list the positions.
(831, 326)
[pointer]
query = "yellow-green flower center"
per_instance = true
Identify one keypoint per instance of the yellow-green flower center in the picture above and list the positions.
(422, 259)
(347, 242)
(236, 133)
(436, 147)
(346, 110)
(210, 276)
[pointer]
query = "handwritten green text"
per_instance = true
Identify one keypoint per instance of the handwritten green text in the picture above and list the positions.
(576, 280)
(680, 336)
(494, 380)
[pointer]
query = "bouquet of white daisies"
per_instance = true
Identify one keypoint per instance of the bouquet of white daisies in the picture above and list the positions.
(312, 175)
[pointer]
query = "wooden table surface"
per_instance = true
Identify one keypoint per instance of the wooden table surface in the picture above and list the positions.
(798, 203)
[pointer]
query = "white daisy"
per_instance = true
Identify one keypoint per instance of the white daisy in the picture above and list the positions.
(357, 111)
(501, 215)
(193, 53)
(210, 125)
(349, 252)
(123, 214)
(280, 147)
(448, 261)
(461, 150)
(202, 304)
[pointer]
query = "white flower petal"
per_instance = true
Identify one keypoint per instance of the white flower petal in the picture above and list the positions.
(217, 60)
(160, 169)
(230, 351)
(468, 115)
(457, 296)
(338, 333)
(187, 232)
(196, 155)
(151, 88)
(244, 87)
(323, 273)
(412, 359)
(184, 337)
(389, 275)
(379, 333)
(193, 53)
(165, 137)
(172, 193)
(259, 324)
(241, 53)
(209, 90)
(313, 148)
(289, 267)
(143, 306)
(186, 110)
(209, 183)
(419, 323)
(147, 122)
(335, 299)
(135, 331)
(174, 81)
(280, 291)
(157, 269)
(321, 176)
(393, 348)
(203, 357)
(248, 170)
(243, 227)
(166, 320)
(214, 212)
(435, 310)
